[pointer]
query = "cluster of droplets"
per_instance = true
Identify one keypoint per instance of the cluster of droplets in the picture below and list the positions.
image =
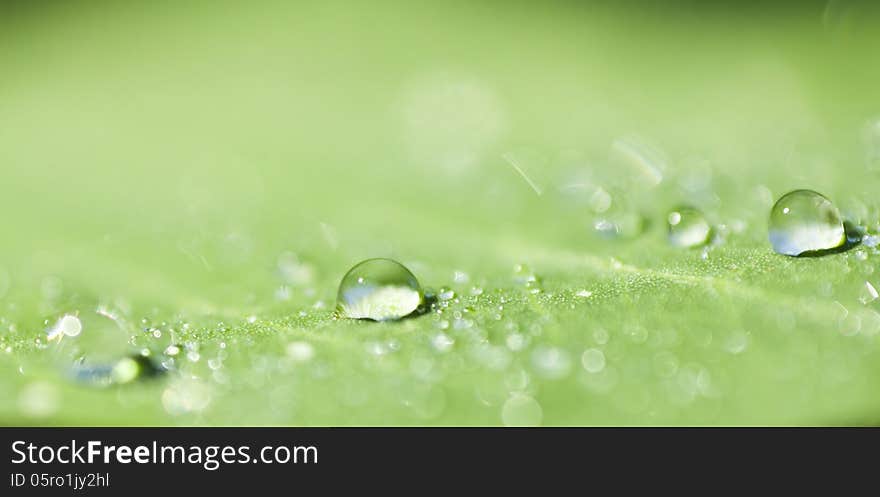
(802, 222)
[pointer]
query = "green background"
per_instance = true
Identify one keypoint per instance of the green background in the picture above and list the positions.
(210, 170)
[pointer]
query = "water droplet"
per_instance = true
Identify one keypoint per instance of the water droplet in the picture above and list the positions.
(584, 294)
(38, 399)
(380, 290)
(294, 272)
(600, 200)
(593, 360)
(868, 293)
(446, 294)
(848, 323)
(186, 396)
(68, 325)
(737, 342)
(121, 371)
(687, 227)
(442, 342)
(551, 363)
(300, 351)
(523, 275)
(804, 221)
(871, 240)
(665, 364)
(516, 341)
(125, 370)
(521, 410)
(621, 225)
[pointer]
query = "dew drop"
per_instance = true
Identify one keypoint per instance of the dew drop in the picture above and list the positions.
(39, 399)
(687, 227)
(551, 363)
(868, 293)
(379, 290)
(300, 351)
(593, 360)
(804, 221)
(521, 410)
(68, 325)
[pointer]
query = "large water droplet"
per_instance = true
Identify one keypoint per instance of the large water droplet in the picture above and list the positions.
(378, 289)
(805, 221)
(687, 227)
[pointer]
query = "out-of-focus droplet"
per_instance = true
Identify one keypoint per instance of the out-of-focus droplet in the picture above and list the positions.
(593, 360)
(521, 410)
(68, 325)
(687, 227)
(868, 293)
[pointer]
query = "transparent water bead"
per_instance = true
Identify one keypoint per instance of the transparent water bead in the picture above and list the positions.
(69, 325)
(126, 370)
(805, 221)
(380, 290)
(687, 227)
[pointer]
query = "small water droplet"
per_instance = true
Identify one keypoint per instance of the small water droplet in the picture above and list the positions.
(600, 200)
(868, 293)
(516, 341)
(848, 323)
(38, 399)
(665, 364)
(736, 342)
(871, 240)
(621, 225)
(593, 360)
(68, 325)
(380, 290)
(446, 294)
(804, 221)
(442, 342)
(551, 363)
(186, 396)
(687, 227)
(523, 275)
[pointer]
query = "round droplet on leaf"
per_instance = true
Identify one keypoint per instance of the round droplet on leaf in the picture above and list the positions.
(379, 290)
(120, 372)
(804, 221)
(687, 227)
